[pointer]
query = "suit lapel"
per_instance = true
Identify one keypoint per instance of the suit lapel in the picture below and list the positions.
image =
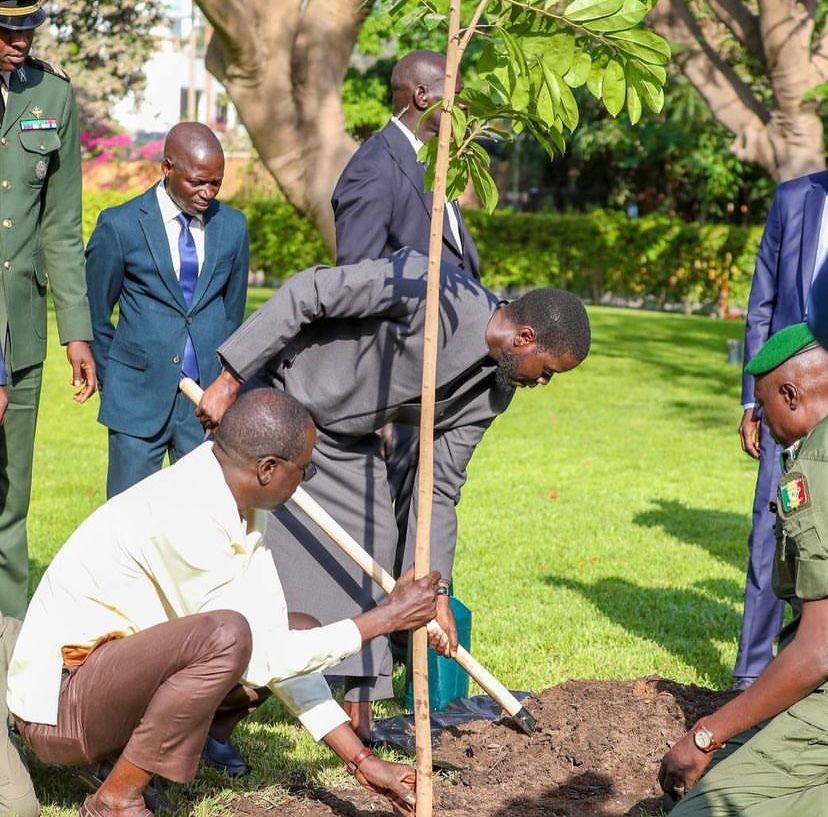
(18, 101)
(156, 237)
(212, 243)
(811, 221)
(403, 154)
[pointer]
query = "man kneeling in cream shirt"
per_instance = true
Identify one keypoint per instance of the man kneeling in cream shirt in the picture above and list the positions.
(162, 620)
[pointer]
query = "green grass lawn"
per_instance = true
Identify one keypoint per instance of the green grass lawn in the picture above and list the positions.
(602, 530)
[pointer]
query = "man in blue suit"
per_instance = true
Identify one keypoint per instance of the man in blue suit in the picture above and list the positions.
(175, 261)
(793, 253)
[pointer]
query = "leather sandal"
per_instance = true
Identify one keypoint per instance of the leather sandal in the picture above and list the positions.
(90, 808)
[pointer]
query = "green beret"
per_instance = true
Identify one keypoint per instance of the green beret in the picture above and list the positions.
(781, 347)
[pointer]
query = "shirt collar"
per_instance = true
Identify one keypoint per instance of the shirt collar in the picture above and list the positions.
(412, 138)
(6, 77)
(169, 209)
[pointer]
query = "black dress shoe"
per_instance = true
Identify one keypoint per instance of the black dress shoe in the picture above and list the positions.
(222, 755)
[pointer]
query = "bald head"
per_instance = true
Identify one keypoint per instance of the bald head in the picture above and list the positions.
(193, 166)
(794, 395)
(417, 82)
(262, 422)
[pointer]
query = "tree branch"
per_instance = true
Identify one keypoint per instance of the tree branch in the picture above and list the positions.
(820, 56)
(743, 24)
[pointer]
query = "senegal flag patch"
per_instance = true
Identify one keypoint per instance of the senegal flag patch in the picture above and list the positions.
(793, 493)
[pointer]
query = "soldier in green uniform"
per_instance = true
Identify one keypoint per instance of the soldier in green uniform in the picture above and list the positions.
(40, 241)
(772, 739)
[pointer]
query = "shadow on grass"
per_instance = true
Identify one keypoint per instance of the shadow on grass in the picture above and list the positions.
(687, 622)
(722, 534)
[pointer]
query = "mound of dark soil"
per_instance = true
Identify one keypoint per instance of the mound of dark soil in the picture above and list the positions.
(595, 753)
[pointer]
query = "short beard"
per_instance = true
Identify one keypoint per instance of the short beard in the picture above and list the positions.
(507, 371)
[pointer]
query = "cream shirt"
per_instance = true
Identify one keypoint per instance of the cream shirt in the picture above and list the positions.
(169, 215)
(171, 546)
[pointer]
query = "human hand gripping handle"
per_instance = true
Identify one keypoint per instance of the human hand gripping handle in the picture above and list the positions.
(216, 399)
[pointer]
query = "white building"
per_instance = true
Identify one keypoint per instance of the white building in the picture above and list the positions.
(177, 80)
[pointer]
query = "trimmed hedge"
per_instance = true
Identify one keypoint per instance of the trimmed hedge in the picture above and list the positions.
(655, 257)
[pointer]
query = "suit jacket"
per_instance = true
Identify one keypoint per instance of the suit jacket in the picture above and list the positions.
(40, 230)
(381, 205)
(347, 343)
(785, 264)
(128, 262)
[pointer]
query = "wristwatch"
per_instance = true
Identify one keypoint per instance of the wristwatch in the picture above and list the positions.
(703, 738)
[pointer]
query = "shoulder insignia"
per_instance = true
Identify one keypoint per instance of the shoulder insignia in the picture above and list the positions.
(50, 68)
(794, 494)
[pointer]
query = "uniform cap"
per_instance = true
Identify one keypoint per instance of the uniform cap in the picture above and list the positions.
(20, 15)
(781, 347)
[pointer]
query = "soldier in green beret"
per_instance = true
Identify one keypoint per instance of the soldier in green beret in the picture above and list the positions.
(770, 743)
(40, 241)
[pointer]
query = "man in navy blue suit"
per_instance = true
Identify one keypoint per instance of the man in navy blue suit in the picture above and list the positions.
(175, 261)
(792, 255)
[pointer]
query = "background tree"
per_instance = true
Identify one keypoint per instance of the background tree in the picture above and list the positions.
(284, 73)
(103, 46)
(755, 62)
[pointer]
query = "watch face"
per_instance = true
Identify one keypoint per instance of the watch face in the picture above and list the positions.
(703, 738)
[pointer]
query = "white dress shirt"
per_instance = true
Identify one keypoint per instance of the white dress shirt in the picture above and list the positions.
(451, 212)
(171, 546)
(169, 215)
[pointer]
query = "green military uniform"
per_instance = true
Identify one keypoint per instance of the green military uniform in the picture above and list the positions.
(17, 797)
(781, 770)
(40, 241)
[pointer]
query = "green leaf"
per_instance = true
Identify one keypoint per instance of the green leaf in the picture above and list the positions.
(517, 126)
(643, 44)
(459, 123)
(578, 73)
(633, 104)
(457, 178)
(477, 102)
(580, 11)
(479, 151)
(595, 80)
(630, 14)
(652, 95)
(544, 106)
(488, 59)
(564, 102)
(520, 95)
(484, 186)
(653, 73)
(433, 20)
(559, 52)
(613, 90)
(505, 77)
(552, 136)
(514, 52)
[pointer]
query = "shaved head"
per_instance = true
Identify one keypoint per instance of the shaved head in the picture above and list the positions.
(193, 167)
(191, 140)
(417, 82)
(794, 395)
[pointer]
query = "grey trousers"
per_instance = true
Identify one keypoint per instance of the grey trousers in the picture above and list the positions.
(150, 697)
(352, 486)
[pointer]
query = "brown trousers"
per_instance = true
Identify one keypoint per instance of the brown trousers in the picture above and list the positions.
(153, 697)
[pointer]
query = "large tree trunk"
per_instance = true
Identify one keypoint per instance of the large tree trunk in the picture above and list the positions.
(784, 135)
(283, 63)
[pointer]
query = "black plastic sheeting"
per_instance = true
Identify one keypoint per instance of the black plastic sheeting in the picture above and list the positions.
(398, 732)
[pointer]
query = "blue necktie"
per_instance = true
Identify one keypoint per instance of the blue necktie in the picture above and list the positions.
(187, 278)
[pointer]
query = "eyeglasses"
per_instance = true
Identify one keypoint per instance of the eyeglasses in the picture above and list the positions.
(308, 471)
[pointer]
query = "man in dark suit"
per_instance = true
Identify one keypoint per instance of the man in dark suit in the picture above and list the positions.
(175, 261)
(347, 342)
(380, 202)
(793, 253)
(380, 205)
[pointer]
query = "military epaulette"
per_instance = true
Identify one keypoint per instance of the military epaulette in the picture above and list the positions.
(49, 68)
